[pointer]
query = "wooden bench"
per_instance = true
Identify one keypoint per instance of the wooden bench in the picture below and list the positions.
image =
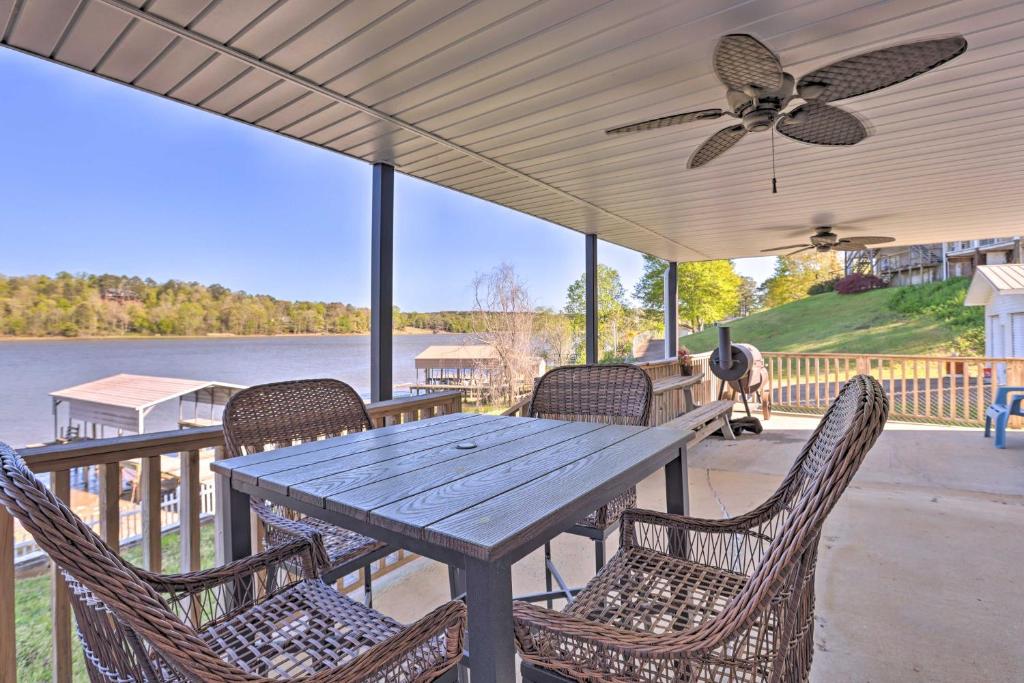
(705, 420)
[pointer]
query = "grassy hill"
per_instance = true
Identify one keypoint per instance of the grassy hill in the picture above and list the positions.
(921, 319)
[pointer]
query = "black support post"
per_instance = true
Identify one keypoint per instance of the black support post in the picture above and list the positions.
(591, 304)
(671, 290)
(382, 281)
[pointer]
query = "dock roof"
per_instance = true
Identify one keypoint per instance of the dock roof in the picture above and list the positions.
(136, 392)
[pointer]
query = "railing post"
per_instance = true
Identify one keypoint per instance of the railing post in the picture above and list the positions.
(671, 292)
(8, 655)
(590, 281)
(152, 522)
(189, 507)
(60, 601)
(110, 504)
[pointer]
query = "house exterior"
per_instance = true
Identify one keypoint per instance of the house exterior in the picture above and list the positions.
(920, 263)
(1000, 289)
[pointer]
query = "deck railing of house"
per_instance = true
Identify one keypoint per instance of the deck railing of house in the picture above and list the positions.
(107, 455)
(940, 389)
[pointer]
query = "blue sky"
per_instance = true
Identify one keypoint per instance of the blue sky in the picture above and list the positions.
(102, 178)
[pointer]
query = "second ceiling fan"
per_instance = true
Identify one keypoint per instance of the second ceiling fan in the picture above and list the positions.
(758, 92)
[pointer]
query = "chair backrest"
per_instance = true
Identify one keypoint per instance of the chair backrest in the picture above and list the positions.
(284, 413)
(617, 394)
(128, 630)
(816, 481)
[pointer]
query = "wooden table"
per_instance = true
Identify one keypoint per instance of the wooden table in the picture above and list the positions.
(477, 492)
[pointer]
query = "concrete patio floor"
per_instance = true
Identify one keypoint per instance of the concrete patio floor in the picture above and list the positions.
(919, 571)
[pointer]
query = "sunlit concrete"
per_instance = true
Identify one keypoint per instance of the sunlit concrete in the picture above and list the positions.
(919, 574)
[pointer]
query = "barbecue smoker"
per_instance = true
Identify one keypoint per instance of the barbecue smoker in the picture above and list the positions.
(742, 371)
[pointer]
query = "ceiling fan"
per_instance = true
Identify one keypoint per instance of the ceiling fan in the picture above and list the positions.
(824, 240)
(758, 92)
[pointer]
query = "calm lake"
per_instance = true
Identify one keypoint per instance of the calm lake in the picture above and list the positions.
(30, 370)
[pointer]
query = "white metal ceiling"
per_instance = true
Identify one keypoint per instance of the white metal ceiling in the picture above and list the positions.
(508, 100)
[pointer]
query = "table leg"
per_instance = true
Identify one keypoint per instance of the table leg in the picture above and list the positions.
(491, 640)
(677, 488)
(677, 498)
(237, 538)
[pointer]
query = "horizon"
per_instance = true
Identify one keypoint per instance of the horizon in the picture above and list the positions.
(204, 200)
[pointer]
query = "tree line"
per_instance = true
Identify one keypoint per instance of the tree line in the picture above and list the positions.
(109, 305)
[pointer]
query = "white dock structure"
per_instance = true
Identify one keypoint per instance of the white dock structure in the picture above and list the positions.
(120, 403)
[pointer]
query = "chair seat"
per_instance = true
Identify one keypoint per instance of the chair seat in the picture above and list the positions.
(609, 515)
(646, 591)
(304, 629)
(341, 544)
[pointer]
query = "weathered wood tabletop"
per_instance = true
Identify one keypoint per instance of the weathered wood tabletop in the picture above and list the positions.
(477, 492)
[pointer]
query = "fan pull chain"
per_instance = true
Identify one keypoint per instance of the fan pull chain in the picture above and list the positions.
(775, 189)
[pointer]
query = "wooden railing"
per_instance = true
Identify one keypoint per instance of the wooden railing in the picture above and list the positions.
(939, 389)
(107, 455)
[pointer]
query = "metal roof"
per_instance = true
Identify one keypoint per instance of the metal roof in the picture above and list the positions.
(136, 392)
(461, 352)
(1005, 278)
(507, 100)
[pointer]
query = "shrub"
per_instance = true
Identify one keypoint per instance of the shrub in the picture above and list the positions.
(823, 287)
(858, 282)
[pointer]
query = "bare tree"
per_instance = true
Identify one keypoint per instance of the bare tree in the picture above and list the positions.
(503, 318)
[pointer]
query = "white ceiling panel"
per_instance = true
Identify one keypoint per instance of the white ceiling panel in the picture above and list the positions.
(508, 100)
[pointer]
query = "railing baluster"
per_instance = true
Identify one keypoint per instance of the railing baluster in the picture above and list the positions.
(188, 511)
(152, 522)
(60, 601)
(110, 504)
(8, 655)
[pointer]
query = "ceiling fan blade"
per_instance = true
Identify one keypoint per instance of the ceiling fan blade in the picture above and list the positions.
(742, 60)
(793, 253)
(870, 240)
(673, 120)
(716, 145)
(822, 124)
(789, 246)
(846, 245)
(878, 69)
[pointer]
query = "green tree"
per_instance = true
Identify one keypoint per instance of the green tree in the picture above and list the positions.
(612, 313)
(708, 290)
(795, 275)
(749, 296)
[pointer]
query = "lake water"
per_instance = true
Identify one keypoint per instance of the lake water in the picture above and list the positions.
(30, 370)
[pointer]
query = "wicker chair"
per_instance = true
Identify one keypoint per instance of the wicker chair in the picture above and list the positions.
(252, 620)
(692, 600)
(615, 394)
(285, 413)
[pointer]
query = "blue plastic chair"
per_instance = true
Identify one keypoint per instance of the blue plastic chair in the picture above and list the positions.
(999, 412)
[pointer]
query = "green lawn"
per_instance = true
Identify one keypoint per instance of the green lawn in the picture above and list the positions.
(851, 323)
(32, 611)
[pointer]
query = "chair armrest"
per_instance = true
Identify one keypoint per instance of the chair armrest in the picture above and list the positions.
(1002, 394)
(198, 597)
(408, 650)
(281, 530)
(736, 544)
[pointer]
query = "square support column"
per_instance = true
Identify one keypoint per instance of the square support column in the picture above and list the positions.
(382, 281)
(591, 295)
(671, 294)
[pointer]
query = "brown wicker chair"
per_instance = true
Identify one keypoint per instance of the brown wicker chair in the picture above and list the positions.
(251, 620)
(285, 413)
(615, 394)
(692, 600)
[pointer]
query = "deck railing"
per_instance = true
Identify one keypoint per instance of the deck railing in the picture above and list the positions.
(107, 455)
(938, 389)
